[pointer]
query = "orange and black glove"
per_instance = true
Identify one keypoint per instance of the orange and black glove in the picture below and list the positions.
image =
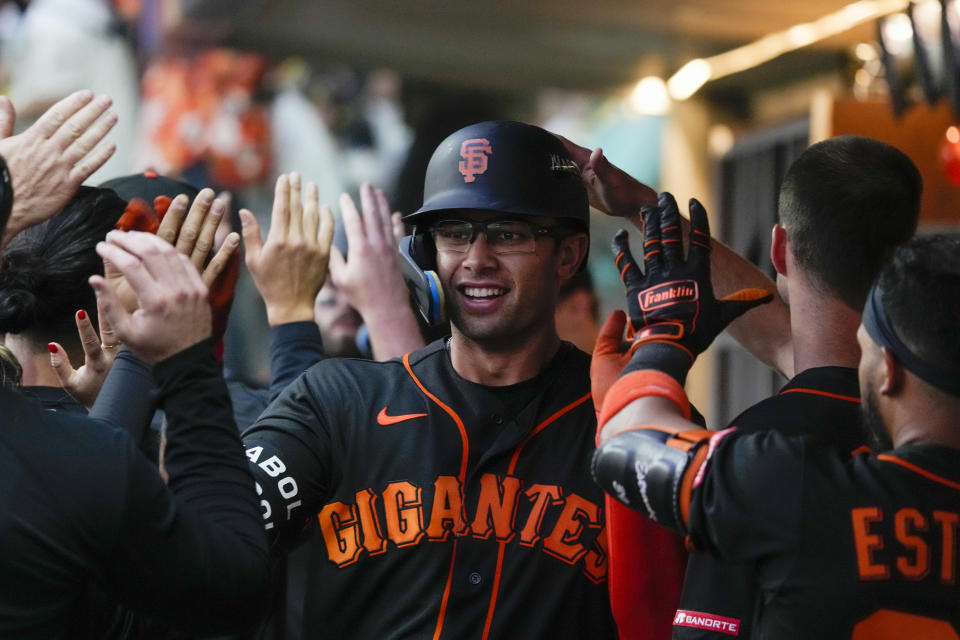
(672, 313)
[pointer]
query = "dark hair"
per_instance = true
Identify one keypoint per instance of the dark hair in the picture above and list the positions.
(846, 203)
(43, 277)
(921, 296)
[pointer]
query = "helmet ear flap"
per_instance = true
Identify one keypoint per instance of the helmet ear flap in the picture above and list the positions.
(422, 249)
(418, 265)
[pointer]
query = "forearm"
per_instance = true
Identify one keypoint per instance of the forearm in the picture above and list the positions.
(649, 451)
(127, 398)
(207, 564)
(194, 397)
(294, 348)
(765, 331)
(393, 331)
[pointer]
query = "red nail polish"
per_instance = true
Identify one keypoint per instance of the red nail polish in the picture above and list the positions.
(52, 348)
(82, 314)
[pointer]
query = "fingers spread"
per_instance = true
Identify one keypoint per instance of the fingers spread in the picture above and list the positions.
(173, 219)
(108, 337)
(372, 223)
(295, 223)
(201, 250)
(384, 211)
(92, 135)
(280, 216)
(54, 117)
(194, 223)
(110, 306)
(352, 223)
(94, 160)
(311, 212)
(148, 263)
(625, 262)
(78, 123)
(699, 231)
(325, 235)
(252, 243)
(221, 259)
(61, 364)
(88, 337)
(338, 265)
(652, 258)
(671, 240)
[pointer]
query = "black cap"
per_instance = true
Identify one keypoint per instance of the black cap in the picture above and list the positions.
(148, 185)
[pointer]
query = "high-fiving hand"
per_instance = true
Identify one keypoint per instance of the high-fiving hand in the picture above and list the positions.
(174, 311)
(99, 351)
(289, 269)
(671, 307)
(192, 233)
(50, 160)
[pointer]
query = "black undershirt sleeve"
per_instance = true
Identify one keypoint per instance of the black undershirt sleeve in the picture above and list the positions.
(195, 553)
(294, 348)
(288, 449)
(127, 398)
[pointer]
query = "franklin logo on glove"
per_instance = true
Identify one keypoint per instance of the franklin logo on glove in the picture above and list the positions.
(667, 294)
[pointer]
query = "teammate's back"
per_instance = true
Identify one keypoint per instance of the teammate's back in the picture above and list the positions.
(861, 547)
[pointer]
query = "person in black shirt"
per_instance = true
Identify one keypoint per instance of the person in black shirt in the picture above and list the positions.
(842, 546)
(79, 501)
(44, 294)
(844, 205)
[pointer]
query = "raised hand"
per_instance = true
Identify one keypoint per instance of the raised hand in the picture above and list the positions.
(174, 311)
(370, 276)
(192, 233)
(99, 352)
(672, 302)
(610, 189)
(50, 160)
(290, 268)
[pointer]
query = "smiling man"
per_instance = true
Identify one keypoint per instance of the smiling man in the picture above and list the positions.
(451, 487)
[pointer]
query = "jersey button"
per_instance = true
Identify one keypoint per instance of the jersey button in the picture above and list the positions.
(497, 418)
(475, 578)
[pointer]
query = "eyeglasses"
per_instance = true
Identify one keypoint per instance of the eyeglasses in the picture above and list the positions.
(502, 236)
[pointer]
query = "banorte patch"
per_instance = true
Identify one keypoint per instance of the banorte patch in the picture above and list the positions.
(707, 621)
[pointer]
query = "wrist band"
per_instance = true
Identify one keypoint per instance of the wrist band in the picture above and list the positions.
(640, 384)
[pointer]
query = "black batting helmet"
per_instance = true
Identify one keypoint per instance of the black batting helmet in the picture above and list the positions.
(507, 167)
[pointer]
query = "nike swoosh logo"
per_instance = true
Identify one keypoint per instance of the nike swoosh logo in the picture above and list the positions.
(385, 421)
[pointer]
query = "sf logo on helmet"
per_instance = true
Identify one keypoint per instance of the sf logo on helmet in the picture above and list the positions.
(474, 153)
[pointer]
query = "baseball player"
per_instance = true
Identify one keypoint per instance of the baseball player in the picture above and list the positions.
(451, 487)
(843, 546)
(844, 205)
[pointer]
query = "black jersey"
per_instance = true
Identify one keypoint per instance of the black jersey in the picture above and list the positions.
(79, 503)
(823, 403)
(853, 547)
(440, 515)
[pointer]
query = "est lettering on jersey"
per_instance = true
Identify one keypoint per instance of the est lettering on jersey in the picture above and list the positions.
(861, 547)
